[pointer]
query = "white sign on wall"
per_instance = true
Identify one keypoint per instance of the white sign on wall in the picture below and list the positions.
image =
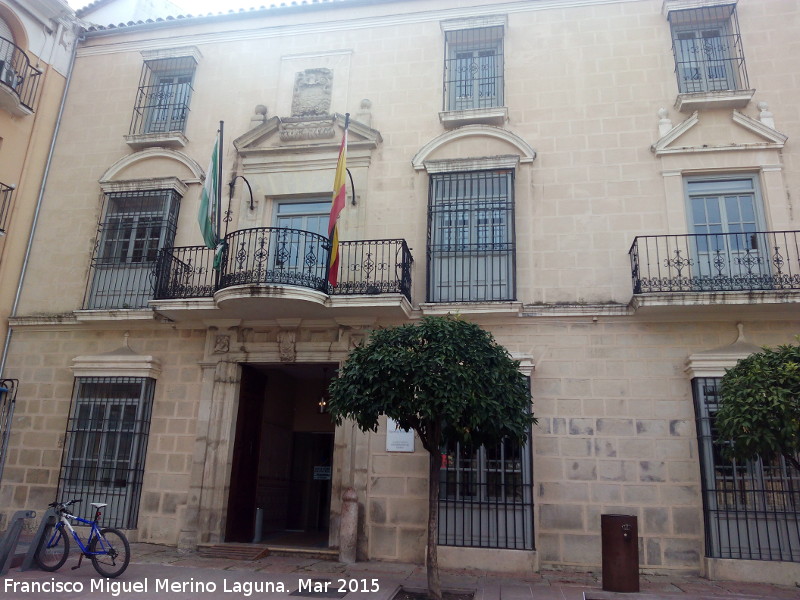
(398, 440)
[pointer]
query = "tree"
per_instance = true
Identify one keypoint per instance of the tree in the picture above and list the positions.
(445, 378)
(760, 406)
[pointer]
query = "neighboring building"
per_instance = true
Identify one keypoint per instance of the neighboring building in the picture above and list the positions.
(37, 39)
(609, 187)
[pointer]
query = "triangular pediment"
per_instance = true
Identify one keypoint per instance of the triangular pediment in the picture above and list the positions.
(718, 131)
(319, 134)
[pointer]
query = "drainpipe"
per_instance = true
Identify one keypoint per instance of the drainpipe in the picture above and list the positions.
(39, 199)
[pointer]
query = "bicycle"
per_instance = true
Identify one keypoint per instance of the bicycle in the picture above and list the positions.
(107, 548)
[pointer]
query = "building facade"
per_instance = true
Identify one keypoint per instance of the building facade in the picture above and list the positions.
(608, 186)
(37, 40)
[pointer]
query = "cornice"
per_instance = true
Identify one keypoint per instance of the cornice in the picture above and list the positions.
(239, 34)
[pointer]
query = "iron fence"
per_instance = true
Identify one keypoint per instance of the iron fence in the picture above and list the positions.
(282, 256)
(716, 262)
(751, 509)
(17, 74)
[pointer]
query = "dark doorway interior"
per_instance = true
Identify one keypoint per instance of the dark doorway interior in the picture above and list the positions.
(283, 456)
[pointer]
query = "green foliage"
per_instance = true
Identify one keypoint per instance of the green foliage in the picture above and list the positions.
(445, 378)
(760, 405)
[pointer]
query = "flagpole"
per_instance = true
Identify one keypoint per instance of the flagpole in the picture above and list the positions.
(218, 199)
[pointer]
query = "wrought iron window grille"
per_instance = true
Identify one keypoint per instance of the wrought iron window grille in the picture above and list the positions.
(163, 96)
(486, 497)
(471, 246)
(473, 69)
(106, 444)
(6, 192)
(135, 227)
(752, 509)
(707, 47)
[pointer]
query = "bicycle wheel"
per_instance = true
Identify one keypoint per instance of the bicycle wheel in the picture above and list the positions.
(115, 552)
(53, 549)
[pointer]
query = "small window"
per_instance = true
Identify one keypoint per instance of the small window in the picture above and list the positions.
(485, 497)
(708, 50)
(106, 444)
(162, 101)
(473, 70)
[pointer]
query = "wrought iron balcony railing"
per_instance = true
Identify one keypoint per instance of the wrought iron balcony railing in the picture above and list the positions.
(716, 262)
(17, 74)
(161, 108)
(281, 256)
(5, 205)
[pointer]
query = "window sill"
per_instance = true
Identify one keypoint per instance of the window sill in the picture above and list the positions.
(499, 307)
(477, 116)
(170, 139)
(689, 103)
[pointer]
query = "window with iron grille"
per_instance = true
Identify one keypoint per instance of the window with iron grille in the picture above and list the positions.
(162, 100)
(471, 237)
(708, 50)
(106, 444)
(473, 69)
(6, 192)
(485, 497)
(136, 226)
(752, 509)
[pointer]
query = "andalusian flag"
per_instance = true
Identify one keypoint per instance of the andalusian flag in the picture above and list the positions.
(207, 217)
(211, 202)
(337, 206)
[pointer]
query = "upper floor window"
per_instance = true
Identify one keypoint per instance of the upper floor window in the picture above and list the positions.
(708, 52)
(135, 227)
(163, 98)
(471, 236)
(474, 68)
(473, 71)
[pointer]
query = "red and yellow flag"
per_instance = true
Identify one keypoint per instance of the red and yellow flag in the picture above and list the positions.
(339, 195)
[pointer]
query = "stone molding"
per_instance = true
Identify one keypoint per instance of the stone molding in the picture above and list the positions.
(166, 153)
(526, 152)
(122, 362)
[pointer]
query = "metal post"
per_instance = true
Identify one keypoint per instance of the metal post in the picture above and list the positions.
(9, 543)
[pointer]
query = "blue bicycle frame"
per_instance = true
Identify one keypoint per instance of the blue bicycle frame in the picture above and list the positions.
(95, 532)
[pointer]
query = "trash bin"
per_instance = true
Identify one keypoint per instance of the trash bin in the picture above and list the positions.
(620, 541)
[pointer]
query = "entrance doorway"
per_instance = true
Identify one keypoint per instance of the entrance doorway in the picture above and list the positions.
(282, 456)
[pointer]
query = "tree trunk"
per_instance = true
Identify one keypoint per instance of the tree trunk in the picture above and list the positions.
(792, 460)
(434, 468)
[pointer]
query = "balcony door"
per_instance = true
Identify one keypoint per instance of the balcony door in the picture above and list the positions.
(730, 248)
(295, 251)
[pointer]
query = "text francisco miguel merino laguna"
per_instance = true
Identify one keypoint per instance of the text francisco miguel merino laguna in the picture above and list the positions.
(193, 586)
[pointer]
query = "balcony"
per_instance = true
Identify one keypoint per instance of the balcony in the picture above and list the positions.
(269, 272)
(716, 268)
(159, 116)
(18, 79)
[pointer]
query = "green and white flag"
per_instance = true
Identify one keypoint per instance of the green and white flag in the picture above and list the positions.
(207, 217)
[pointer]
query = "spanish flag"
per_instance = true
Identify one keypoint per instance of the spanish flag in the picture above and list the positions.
(337, 205)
